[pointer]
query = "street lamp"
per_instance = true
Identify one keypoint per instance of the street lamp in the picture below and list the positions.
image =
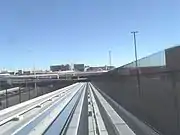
(136, 62)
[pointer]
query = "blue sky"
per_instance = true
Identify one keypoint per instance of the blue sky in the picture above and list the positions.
(48, 32)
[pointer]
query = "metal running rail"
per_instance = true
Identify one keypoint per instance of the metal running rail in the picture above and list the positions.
(96, 123)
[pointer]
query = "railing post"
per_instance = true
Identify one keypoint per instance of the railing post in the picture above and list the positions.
(6, 99)
(27, 88)
(35, 87)
(19, 95)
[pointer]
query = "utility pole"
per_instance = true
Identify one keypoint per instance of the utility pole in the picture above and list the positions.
(136, 61)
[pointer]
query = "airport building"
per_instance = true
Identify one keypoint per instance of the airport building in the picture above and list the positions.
(60, 67)
(79, 67)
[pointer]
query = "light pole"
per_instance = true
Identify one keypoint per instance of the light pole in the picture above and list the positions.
(136, 62)
(135, 47)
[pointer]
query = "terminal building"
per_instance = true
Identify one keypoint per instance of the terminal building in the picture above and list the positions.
(60, 67)
(79, 67)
